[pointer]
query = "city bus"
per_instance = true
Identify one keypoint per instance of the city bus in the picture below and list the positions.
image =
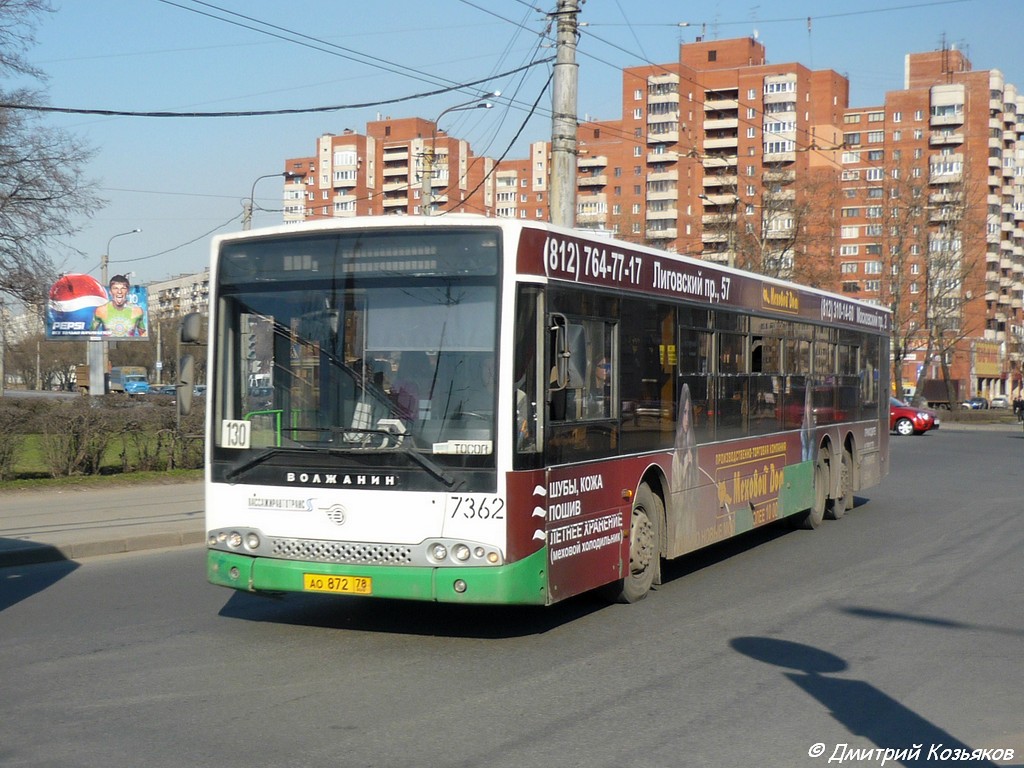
(476, 410)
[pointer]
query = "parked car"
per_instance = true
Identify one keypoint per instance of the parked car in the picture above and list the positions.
(905, 419)
(164, 389)
(975, 403)
(1000, 401)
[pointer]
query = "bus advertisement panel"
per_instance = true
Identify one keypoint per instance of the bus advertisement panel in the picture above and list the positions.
(474, 410)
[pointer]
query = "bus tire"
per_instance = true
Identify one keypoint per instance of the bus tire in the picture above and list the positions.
(813, 517)
(644, 548)
(841, 505)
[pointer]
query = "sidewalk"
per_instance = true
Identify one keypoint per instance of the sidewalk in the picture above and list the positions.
(44, 525)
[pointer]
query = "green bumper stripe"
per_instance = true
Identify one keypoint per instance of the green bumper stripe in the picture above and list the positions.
(523, 583)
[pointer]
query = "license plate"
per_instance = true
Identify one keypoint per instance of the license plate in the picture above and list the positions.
(347, 585)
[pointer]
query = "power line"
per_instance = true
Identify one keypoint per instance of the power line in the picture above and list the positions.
(269, 112)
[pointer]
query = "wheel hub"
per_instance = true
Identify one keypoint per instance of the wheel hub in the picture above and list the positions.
(641, 542)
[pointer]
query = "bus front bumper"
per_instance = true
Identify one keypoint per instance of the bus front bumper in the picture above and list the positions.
(520, 583)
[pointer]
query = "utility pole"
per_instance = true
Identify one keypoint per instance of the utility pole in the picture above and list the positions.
(563, 120)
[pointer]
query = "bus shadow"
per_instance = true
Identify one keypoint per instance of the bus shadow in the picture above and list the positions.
(22, 580)
(409, 617)
(863, 709)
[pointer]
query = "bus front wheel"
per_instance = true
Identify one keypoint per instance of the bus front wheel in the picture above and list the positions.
(644, 548)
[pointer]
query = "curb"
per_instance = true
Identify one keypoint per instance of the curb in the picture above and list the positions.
(34, 552)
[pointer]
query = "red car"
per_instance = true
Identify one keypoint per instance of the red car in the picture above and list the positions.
(905, 419)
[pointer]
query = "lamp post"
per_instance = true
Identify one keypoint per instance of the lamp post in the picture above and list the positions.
(98, 347)
(426, 180)
(250, 203)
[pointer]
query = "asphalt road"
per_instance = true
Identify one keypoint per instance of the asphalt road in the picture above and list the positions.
(900, 625)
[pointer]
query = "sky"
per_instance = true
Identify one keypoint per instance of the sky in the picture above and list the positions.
(180, 180)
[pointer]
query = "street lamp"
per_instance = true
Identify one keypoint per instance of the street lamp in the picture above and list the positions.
(426, 180)
(98, 348)
(250, 201)
(105, 258)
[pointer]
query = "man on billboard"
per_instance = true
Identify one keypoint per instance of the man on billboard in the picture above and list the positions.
(119, 317)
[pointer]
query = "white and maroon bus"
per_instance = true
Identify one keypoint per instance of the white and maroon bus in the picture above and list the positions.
(467, 409)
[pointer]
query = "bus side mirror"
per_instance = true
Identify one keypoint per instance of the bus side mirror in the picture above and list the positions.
(186, 379)
(191, 328)
(559, 379)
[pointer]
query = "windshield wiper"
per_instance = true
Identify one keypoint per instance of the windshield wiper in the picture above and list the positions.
(401, 442)
(260, 458)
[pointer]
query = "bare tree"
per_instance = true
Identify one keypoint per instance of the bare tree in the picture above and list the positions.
(930, 227)
(42, 186)
(898, 215)
(784, 230)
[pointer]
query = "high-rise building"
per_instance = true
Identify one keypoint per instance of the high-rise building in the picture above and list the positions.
(917, 204)
(933, 220)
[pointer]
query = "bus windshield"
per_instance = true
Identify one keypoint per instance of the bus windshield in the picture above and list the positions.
(359, 343)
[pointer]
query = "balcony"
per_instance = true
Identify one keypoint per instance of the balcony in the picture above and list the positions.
(662, 157)
(722, 124)
(672, 175)
(662, 137)
(725, 142)
(719, 161)
(944, 138)
(664, 194)
(717, 180)
(592, 181)
(592, 161)
(715, 103)
(954, 118)
(661, 234)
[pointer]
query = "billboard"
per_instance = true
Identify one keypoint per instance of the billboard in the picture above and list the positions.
(81, 308)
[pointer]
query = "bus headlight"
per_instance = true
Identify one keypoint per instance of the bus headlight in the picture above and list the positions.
(461, 552)
(438, 552)
(234, 540)
(252, 540)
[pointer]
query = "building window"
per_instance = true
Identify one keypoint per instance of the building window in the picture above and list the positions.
(638, 113)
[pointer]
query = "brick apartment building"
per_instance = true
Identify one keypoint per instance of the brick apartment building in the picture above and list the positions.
(933, 218)
(917, 203)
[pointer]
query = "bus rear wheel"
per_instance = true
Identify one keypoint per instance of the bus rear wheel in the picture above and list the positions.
(840, 506)
(813, 517)
(644, 548)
